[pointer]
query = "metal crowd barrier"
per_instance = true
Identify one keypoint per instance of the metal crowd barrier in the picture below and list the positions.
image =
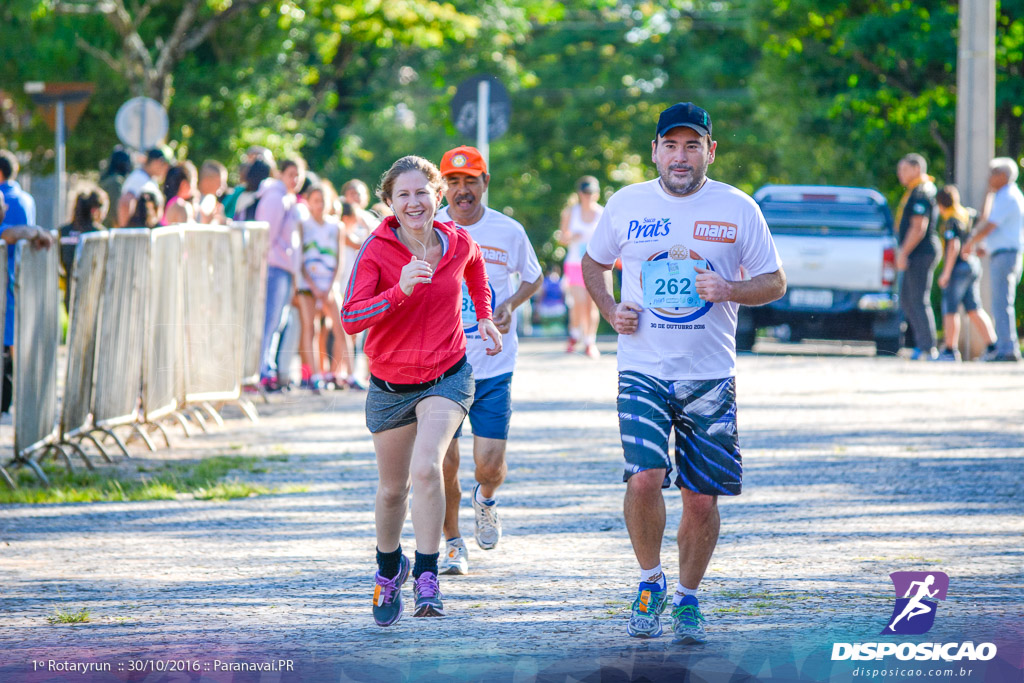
(212, 370)
(121, 329)
(163, 383)
(37, 337)
(161, 322)
(251, 271)
(85, 303)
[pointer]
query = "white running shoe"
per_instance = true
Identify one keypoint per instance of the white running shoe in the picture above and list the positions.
(488, 524)
(455, 559)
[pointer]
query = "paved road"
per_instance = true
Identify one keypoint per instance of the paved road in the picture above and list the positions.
(855, 467)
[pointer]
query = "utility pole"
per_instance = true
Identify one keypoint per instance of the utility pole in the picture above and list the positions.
(975, 123)
(976, 99)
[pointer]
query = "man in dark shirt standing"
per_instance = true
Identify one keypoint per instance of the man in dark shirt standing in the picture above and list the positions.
(919, 252)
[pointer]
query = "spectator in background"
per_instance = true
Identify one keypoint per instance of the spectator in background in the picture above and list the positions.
(118, 168)
(213, 183)
(356, 193)
(345, 368)
(321, 247)
(550, 299)
(579, 220)
(252, 154)
(245, 203)
(276, 205)
(919, 252)
(145, 179)
(16, 209)
(1001, 227)
(358, 224)
(90, 209)
(178, 188)
(960, 277)
(231, 200)
(147, 212)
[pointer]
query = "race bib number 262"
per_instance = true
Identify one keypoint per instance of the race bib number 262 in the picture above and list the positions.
(671, 283)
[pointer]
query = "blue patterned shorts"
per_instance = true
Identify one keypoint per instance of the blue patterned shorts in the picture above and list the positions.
(701, 414)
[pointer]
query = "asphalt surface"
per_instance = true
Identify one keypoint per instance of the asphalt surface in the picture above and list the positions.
(855, 467)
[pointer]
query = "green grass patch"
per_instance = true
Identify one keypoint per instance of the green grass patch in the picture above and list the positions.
(203, 479)
(740, 595)
(226, 490)
(62, 616)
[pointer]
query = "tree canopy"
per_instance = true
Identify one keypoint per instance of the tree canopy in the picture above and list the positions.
(799, 90)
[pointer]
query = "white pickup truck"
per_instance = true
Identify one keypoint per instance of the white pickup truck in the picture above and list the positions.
(838, 252)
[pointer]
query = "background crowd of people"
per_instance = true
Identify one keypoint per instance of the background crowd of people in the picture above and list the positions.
(315, 234)
(316, 231)
(923, 215)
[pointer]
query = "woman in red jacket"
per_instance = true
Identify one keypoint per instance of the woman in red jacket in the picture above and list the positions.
(406, 288)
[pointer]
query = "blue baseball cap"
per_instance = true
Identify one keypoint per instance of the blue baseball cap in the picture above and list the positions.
(684, 114)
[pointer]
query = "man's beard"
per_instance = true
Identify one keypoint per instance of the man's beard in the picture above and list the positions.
(683, 187)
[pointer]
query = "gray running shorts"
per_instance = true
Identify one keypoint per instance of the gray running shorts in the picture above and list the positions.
(389, 410)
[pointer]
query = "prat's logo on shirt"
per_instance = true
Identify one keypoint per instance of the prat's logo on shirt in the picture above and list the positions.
(494, 255)
(646, 229)
(714, 231)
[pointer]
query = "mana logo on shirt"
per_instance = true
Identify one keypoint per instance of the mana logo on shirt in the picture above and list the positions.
(679, 315)
(714, 231)
(495, 255)
(647, 229)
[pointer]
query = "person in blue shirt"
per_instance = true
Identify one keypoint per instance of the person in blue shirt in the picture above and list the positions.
(17, 222)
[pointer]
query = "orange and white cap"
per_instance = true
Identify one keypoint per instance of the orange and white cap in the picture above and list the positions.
(464, 159)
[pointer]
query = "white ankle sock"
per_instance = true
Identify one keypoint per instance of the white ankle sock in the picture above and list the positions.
(480, 498)
(655, 575)
(681, 592)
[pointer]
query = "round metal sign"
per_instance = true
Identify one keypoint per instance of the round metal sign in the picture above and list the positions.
(141, 123)
(464, 107)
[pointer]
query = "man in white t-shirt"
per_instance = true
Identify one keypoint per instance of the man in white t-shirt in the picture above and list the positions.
(1001, 228)
(685, 242)
(508, 254)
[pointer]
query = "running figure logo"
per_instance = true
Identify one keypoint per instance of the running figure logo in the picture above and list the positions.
(917, 594)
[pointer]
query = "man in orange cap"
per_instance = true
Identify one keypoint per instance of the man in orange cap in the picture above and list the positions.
(507, 251)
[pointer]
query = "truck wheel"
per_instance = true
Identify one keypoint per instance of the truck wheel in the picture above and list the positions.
(888, 336)
(746, 330)
(887, 346)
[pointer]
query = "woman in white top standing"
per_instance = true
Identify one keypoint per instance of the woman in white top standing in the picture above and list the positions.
(321, 259)
(579, 220)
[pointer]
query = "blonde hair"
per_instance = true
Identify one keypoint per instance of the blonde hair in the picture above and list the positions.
(410, 163)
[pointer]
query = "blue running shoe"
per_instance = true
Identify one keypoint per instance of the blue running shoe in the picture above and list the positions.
(688, 622)
(645, 621)
(387, 596)
(428, 596)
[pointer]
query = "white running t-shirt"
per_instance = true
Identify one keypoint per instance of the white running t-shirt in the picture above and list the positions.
(507, 251)
(718, 224)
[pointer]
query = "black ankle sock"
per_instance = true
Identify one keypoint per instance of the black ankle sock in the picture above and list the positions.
(991, 347)
(424, 563)
(388, 563)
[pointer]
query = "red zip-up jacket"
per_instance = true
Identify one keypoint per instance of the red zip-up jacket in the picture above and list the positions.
(413, 338)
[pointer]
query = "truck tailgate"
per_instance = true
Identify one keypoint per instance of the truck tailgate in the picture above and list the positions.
(832, 261)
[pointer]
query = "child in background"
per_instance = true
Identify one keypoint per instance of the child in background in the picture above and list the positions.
(321, 250)
(960, 278)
